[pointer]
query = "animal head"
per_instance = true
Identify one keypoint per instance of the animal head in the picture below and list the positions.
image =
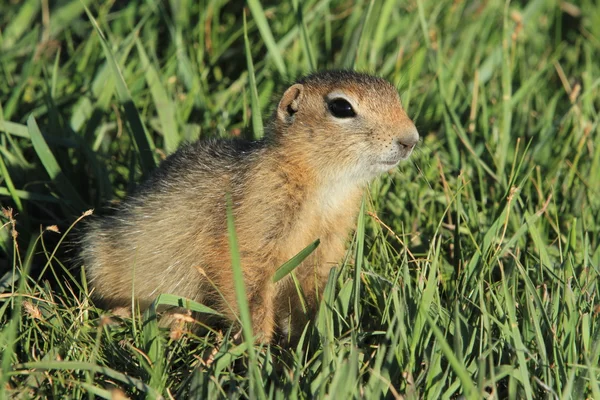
(354, 122)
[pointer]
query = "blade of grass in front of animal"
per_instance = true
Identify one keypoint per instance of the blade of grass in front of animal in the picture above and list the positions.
(256, 383)
(178, 301)
(164, 105)
(257, 123)
(52, 167)
(293, 262)
(358, 261)
(265, 31)
(143, 142)
(300, 292)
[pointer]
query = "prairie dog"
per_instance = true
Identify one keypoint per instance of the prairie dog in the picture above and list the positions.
(331, 133)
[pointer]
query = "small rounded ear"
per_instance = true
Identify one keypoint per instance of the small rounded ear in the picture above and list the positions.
(289, 103)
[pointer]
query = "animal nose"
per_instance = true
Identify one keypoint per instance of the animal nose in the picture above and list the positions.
(408, 139)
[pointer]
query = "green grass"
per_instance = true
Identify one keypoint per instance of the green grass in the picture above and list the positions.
(474, 270)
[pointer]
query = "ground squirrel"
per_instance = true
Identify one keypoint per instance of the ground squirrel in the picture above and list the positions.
(331, 133)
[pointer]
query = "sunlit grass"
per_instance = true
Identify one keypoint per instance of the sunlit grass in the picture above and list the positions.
(475, 267)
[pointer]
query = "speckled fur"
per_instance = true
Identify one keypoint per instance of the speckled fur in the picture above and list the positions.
(302, 182)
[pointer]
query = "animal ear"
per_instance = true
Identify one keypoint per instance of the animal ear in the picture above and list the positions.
(289, 103)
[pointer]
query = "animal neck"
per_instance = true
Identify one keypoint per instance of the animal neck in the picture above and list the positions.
(320, 188)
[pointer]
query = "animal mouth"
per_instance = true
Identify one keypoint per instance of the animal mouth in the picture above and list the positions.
(391, 163)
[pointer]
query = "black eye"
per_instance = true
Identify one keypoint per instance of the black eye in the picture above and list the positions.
(340, 108)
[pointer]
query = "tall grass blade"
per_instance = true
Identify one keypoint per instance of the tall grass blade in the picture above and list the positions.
(256, 385)
(295, 261)
(358, 262)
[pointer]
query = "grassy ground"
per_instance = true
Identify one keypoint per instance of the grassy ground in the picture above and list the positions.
(476, 265)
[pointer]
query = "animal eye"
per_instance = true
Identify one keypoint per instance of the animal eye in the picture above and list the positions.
(340, 108)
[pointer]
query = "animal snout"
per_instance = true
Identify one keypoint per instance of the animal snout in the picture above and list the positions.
(408, 140)
(405, 144)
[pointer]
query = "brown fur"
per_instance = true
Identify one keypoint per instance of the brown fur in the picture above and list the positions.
(302, 182)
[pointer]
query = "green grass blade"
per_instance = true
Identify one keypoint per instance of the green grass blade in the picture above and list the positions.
(478, 81)
(240, 288)
(358, 262)
(14, 129)
(178, 301)
(242, 302)
(295, 261)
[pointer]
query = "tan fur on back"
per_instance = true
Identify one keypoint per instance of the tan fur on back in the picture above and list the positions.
(303, 182)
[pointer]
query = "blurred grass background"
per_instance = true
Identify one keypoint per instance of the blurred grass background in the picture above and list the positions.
(476, 272)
